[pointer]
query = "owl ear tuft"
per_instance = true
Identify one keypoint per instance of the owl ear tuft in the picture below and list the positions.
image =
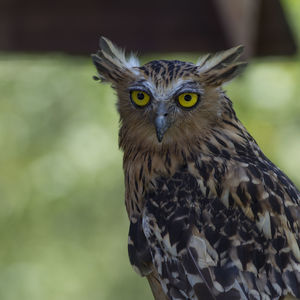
(111, 63)
(221, 67)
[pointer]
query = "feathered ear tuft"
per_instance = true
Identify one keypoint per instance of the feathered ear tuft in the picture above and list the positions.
(111, 62)
(221, 67)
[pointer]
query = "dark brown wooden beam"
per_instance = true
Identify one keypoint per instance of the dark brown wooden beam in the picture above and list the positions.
(153, 26)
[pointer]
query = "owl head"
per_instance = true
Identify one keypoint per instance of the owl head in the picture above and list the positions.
(164, 102)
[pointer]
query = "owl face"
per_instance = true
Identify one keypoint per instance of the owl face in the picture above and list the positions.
(162, 101)
(162, 96)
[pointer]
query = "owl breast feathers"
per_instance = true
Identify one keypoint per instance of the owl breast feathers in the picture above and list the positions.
(210, 216)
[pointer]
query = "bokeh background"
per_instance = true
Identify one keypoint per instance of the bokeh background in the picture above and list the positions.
(63, 225)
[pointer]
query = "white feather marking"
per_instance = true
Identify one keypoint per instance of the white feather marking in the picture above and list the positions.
(254, 294)
(218, 287)
(244, 165)
(132, 62)
(205, 62)
(251, 268)
(225, 197)
(276, 287)
(202, 186)
(200, 273)
(218, 159)
(130, 242)
(296, 266)
(168, 247)
(116, 52)
(237, 286)
(204, 259)
(137, 270)
(241, 175)
(194, 279)
(264, 224)
(146, 227)
(293, 243)
(209, 61)
(256, 180)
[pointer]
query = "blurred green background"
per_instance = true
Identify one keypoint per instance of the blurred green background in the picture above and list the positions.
(63, 225)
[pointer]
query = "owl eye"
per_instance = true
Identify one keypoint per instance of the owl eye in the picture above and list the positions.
(188, 100)
(139, 98)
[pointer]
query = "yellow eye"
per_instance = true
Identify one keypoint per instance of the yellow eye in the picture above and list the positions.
(188, 100)
(139, 98)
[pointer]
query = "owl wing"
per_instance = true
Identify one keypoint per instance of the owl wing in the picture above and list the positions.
(203, 249)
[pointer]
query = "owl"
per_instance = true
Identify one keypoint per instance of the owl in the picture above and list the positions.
(211, 217)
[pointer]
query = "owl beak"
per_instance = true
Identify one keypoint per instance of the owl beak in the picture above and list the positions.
(162, 122)
(161, 125)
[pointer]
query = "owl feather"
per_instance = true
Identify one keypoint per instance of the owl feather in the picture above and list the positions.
(211, 217)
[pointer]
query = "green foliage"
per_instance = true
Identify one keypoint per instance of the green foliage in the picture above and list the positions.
(63, 224)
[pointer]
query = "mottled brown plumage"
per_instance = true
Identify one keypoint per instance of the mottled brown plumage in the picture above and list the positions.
(210, 216)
